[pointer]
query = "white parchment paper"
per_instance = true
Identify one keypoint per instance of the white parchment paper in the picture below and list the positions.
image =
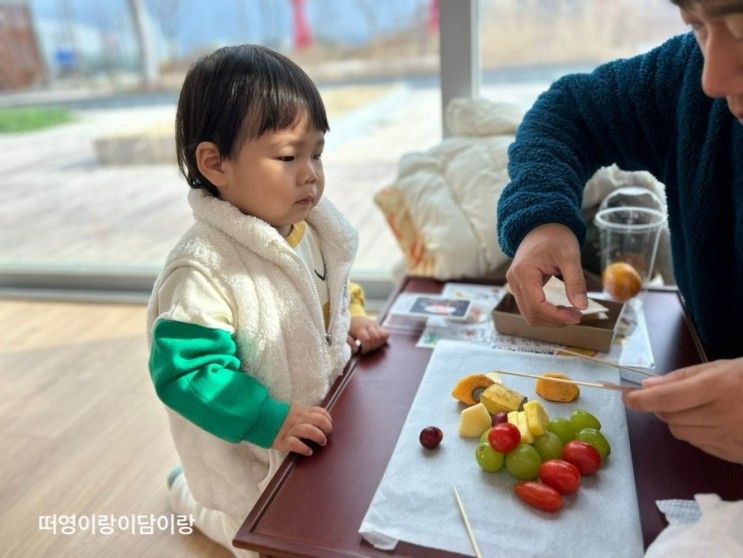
(414, 501)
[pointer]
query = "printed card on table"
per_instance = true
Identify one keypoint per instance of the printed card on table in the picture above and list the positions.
(437, 307)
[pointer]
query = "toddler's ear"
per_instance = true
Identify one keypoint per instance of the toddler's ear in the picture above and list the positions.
(209, 161)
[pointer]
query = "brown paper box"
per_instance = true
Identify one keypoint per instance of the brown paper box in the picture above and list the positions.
(589, 334)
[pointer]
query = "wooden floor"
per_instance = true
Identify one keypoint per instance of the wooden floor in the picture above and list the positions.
(82, 432)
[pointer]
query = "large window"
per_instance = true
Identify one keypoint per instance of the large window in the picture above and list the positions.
(88, 92)
(89, 176)
(527, 44)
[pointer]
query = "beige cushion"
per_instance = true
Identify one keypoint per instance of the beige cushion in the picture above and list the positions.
(442, 206)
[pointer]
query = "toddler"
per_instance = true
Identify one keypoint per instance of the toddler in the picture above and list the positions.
(253, 316)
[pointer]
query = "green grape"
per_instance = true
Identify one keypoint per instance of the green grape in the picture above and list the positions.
(488, 459)
(596, 439)
(484, 437)
(523, 462)
(583, 419)
(563, 428)
(548, 445)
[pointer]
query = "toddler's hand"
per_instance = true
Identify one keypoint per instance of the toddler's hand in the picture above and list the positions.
(303, 423)
(366, 335)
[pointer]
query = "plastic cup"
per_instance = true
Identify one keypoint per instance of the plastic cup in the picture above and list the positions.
(630, 234)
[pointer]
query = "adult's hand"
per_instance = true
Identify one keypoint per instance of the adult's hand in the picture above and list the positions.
(547, 250)
(701, 404)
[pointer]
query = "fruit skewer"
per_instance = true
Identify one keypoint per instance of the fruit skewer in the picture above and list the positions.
(607, 362)
(600, 385)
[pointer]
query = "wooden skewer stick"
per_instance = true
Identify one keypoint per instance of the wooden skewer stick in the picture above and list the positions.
(467, 526)
(608, 363)
(600, 385)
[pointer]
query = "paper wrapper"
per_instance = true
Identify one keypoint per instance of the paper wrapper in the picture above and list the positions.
(705, 526)
(415, 502)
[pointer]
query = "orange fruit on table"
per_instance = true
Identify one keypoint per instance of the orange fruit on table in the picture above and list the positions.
(621, 281)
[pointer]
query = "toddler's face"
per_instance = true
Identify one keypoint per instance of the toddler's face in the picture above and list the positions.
(277, 177)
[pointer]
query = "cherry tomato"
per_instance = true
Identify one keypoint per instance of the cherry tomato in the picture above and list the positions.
(582, 455)
(504, 437)
(538, 495)
(560, 475)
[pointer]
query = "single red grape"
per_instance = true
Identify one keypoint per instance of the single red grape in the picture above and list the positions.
(499, 417)
(430, 437)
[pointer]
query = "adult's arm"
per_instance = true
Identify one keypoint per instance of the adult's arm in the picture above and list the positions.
(624, 112)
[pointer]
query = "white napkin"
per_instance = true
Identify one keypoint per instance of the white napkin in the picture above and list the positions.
(679, 511)
(716, 533)
(554, 293)
(414, 501)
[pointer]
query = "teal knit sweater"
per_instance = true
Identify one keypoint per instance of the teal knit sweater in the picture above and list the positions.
(643, 113)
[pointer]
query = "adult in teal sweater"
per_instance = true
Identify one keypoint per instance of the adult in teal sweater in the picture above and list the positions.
(677, 112)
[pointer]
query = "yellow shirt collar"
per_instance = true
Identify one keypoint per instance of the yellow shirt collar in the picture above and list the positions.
(296, 235)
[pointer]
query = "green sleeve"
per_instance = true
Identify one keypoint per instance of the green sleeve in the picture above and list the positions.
(196, 372)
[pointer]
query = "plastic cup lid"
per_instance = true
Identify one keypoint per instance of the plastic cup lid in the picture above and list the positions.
(642, 219)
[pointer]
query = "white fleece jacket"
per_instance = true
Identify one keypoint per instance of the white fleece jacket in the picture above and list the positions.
(278, 329)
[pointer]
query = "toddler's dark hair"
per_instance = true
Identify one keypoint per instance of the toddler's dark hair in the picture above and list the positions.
(236, 94)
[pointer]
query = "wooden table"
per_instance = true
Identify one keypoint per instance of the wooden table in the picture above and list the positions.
(313, 507)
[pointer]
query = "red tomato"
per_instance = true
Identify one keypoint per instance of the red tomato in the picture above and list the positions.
(504, 437)
(560, 475)
(583, 456)
(538, 495)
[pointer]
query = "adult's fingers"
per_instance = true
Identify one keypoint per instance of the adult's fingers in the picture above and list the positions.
(575, 282)
(533, 306)
(526, 288)
(679, 374)
(703, 416)
(685, 393)
(718, 450)
(683, 389)
(692, 434)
